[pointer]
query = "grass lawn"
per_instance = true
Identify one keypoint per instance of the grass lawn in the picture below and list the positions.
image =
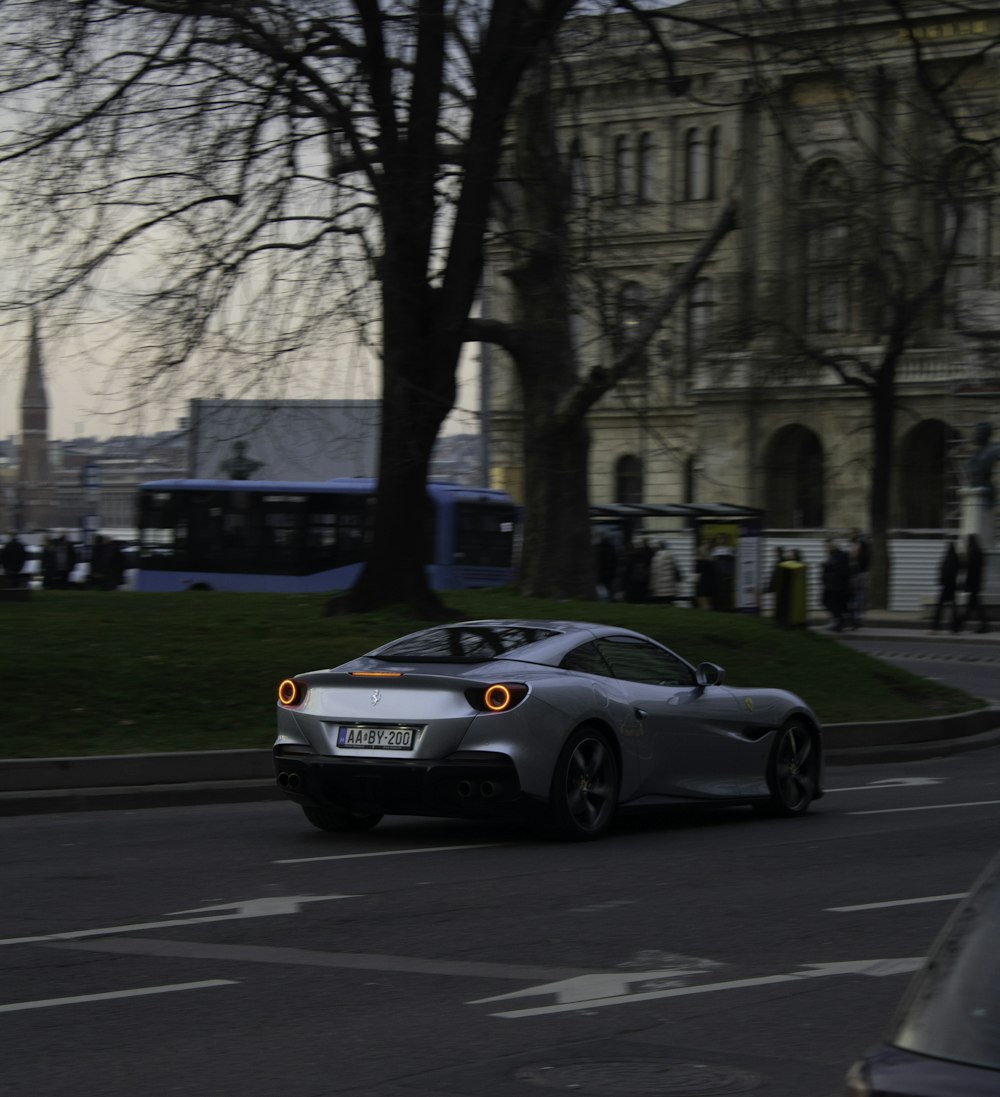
(86, 672)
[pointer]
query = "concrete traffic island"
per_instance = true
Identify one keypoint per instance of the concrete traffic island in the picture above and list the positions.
(31, 786)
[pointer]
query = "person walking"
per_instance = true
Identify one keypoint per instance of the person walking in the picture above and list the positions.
(859, 554)
(975, 564)
(13, 557)
(636, 580)
(837, 585)
(606, 566)
(948, 574)
(664, 575)
(706, 583)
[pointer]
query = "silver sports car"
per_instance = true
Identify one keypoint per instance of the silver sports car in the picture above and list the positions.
(563, 720)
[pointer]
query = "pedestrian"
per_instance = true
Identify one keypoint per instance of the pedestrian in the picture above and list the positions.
(975, 563)
(58, 561)
(706, 584)
(97, 577)
(636, 580)
(115, 573)
(860, 556)
(948, 573)
(13, 557)
(606, 566)
(664, 575)
(724, 558)
(837, 585)
(778, 586)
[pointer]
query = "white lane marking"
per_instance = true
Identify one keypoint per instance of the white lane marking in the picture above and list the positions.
(901, 902)
(384, 853)
(573, 987)
(354, 961)
(892, 782)
(79, 999)
(248, 908)
(928, 807)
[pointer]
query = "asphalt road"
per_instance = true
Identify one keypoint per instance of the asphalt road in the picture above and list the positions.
(973, 666)
(234, 950)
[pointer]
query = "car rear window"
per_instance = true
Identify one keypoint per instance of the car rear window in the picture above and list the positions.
(463, 643)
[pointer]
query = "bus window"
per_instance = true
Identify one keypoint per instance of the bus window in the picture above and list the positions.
(484, 535)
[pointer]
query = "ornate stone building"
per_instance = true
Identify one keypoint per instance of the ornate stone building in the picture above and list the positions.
(862, 279)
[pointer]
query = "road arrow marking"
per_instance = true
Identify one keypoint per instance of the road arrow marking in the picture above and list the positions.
(247, 908)
(906, 782)
(567, 991)
(892, 782)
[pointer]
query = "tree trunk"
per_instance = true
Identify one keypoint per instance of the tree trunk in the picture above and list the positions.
(880, 507)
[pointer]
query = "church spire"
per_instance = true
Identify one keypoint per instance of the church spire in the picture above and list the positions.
(34, 477)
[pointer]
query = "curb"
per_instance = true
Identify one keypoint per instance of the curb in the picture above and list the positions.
(34, 786)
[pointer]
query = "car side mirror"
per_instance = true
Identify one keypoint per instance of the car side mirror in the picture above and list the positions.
(709, 674)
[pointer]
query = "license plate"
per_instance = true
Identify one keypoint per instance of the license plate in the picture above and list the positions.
(375, 738)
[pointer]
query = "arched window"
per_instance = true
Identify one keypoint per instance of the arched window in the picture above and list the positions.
(700, 316)
(826, 221)
(712, 164)
(923, 483)
(628, 479)
(793, 479)
(695, 165)
(644, 185)
(632, 309)
(967, 226)
(577, 178)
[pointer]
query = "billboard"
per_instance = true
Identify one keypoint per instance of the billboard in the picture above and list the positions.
(283, 439)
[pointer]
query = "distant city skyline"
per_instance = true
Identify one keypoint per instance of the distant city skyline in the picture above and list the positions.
(80, 408)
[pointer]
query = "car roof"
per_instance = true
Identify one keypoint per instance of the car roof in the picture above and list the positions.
(529, 640)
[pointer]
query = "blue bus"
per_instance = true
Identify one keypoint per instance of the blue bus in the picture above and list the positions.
(308, 536)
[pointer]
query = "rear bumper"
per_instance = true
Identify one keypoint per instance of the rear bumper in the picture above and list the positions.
(469, 783)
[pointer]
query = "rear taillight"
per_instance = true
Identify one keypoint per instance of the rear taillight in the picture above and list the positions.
(291, 693)
(498, 697)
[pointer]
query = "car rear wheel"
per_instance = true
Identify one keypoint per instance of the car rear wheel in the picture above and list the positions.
(337, 821)
(584, 793)
(791, 772)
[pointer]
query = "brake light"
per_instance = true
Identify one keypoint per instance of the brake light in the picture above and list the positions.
(498, 697)
(291, 692)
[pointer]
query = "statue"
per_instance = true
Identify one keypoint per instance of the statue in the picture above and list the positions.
(239, 466)
(979, 467)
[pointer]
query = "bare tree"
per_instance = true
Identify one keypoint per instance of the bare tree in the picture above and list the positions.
(242, 180)
(550, 265)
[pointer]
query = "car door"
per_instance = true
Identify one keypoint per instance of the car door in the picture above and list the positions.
(692, 732)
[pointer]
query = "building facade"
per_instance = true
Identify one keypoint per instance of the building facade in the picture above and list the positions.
(862, 275)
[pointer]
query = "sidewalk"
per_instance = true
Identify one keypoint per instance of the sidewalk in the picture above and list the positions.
(30, 786)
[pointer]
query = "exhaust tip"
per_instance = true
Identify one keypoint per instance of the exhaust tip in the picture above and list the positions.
(283, 779)
(294, 780)
(487, 790)
(464, 789)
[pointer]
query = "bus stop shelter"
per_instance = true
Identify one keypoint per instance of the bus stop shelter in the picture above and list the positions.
(730, 533)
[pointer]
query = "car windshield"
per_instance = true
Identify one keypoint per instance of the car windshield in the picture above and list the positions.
(952, 1009)
(463, 643)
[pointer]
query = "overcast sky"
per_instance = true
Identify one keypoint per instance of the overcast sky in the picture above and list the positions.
(85, 400)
